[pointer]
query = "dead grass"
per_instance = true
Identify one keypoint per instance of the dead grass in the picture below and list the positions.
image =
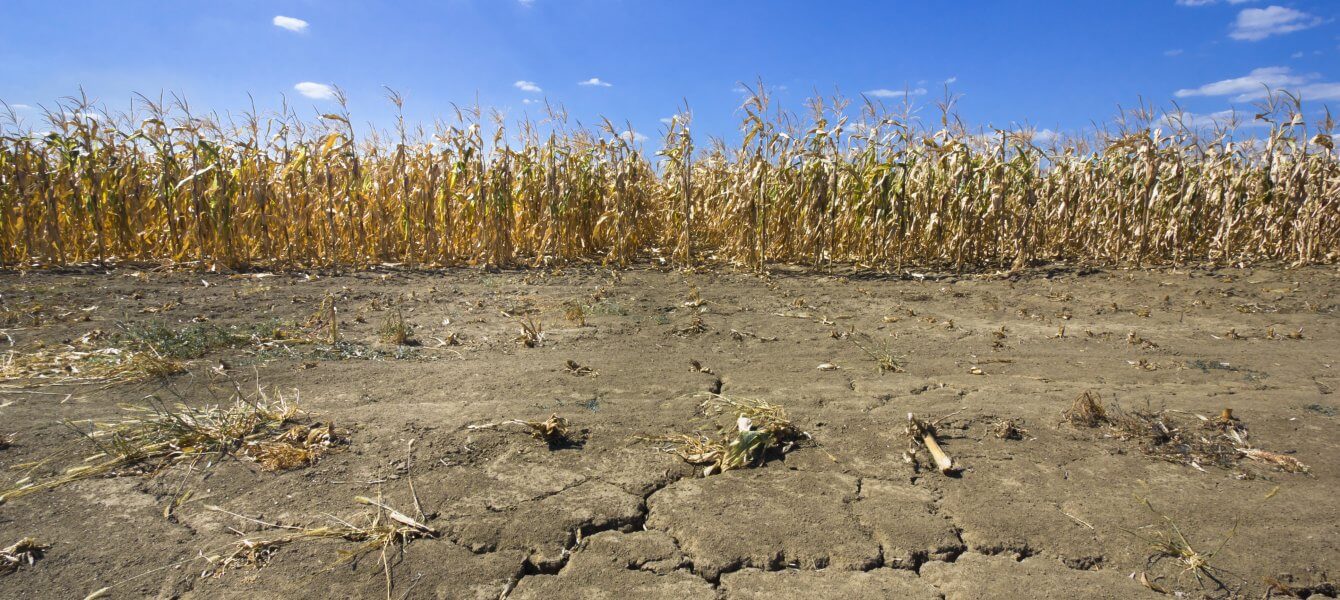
(881, 352)
(394, 329)
(1169, 543)
(385, 530)
(1086, 411)
(760, 427)
(1179, 437)
(159, 436)
(72, 365)
(532, 333)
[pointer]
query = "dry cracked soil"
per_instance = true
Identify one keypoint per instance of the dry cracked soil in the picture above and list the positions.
(1057, 513)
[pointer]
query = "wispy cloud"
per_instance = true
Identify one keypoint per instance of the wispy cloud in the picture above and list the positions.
(1253, 85)
(527, 86)
(1222, 118)
(595, 82)
(633, 136)
(1173, 52)
(1209, 2)
(20, 106)
(290, 23)
(1255, 24)
(526, 3)
(887, 93)
(951, 80)
(315, 91)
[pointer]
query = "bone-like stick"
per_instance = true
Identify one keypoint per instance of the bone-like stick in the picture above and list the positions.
(926, 434)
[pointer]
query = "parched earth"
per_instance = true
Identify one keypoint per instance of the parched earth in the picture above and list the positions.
(1059, 513)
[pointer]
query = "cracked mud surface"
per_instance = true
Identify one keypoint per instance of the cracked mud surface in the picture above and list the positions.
(1054, 515)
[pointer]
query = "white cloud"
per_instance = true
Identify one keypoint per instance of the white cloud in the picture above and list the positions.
(1209, 2)
(595, 82)
(315, 91)
(20, 106)
(1296, 55)
(526, 3)
(290, 23)
(1222, 118)
(527, 86)
(1252, 86)
(1255, 24)
(887, 93)
(1173, 52)
(530, 101)
(633, 136)
(951, 81)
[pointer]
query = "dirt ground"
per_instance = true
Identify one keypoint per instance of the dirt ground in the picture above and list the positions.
(1055, 514)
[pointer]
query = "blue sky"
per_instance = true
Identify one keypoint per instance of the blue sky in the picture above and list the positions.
(1056, 65)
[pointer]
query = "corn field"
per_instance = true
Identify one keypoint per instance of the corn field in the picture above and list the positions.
(838, 183)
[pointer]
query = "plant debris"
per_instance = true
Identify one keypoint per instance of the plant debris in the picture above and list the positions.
(25, 552)
(160, 436)
(923, 433)
(1220, 441)
(1086, 411)
(1007, 429)
(579, 370)
(384, 530)
(553, 431)
(1168, 542)
(759, 427)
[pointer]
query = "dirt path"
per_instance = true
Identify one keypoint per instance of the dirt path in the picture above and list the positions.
(1055, 514)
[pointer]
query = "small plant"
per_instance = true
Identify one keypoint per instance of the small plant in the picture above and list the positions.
(1007, 429)
(694, 299)
(395, 331)
(1168, 542)
(881, 352)
(532, 333)
(324, 322)
(575, 314)
(1086, 411)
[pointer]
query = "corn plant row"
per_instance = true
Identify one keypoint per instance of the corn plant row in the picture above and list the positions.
(837, 183)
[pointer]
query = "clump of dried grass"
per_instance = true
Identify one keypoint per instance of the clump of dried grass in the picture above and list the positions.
(1086, 411)
(1168, 542)
(532, 333)
(1008, 429)
(553, 431)
(395, 331)
(760, 427)
(25, 552)
(71, 365)
(1181, 438)
(881, 352)
(159, 436)
(384, 530)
